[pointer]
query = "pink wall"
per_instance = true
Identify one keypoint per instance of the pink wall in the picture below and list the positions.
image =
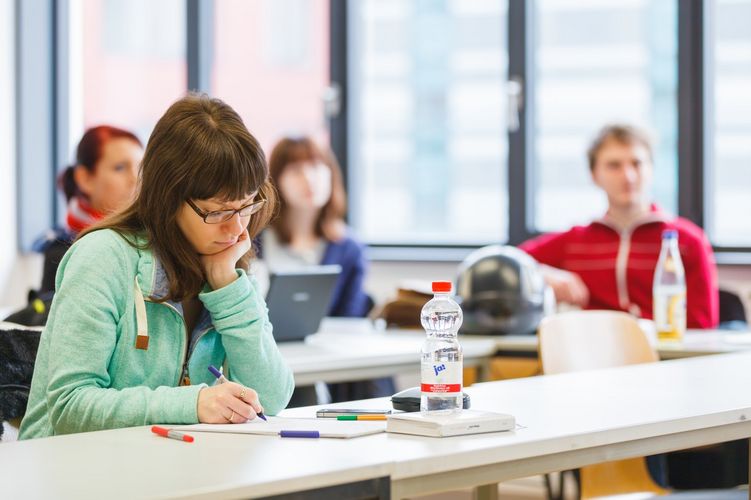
(273, 97)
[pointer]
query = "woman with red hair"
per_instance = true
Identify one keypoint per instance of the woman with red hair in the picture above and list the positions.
(102, 181)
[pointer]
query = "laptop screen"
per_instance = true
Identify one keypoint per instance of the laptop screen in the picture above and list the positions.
(298, 300)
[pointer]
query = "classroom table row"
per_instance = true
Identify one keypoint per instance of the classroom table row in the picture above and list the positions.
(351, 349)
(695, 343)
(564, 421)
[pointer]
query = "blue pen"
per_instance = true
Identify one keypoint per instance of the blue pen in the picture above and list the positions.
(222, 380)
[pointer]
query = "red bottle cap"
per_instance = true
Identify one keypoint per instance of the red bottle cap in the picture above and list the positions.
(441, 286)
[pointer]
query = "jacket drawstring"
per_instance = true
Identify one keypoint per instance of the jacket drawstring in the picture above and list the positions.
(142, 327)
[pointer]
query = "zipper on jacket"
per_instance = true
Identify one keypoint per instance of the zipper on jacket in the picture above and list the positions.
(183, 358)
(621, 269)
(622, 258)
(184, 378)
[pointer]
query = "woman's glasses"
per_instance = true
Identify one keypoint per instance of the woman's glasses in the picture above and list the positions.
(219, 216)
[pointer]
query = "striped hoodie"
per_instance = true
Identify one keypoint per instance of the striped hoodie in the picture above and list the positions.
(617, 264)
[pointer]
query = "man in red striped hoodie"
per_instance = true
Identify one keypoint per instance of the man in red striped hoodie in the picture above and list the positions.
(610, 263)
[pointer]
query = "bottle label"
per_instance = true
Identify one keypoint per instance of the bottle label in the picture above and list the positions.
(670, 315)
(444, 377)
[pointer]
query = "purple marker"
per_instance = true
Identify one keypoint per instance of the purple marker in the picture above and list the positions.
(299, 434)
(222, 380)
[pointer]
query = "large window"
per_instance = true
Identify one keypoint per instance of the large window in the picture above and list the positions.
(598, 63)
(130, 58)
(729, 200)
(427, 136)
(271, 63)
(429, 108)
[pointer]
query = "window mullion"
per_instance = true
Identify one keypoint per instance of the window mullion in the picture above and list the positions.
(200, 43)
(691, 111)
(520, 146)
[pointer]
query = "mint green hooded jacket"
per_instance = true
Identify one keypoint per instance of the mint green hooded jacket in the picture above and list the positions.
(89, 375)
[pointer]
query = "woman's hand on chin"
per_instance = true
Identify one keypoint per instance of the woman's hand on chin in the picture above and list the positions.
(220, 267)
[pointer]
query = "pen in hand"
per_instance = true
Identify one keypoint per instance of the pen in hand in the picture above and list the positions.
(222, 380)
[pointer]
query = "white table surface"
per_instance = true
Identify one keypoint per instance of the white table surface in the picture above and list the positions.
(696, 343)
(350, 349)
(568, 420)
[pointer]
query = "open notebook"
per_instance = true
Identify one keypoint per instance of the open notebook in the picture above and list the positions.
(294, 427)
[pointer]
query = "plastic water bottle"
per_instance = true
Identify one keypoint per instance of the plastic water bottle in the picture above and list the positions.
(669, 290)
(441, 370)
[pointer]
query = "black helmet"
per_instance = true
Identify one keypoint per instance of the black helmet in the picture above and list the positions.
(501, 291)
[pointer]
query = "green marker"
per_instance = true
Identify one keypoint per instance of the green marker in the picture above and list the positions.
(361, 417)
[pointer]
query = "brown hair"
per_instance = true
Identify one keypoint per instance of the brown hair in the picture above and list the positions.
(624, 134)
(199, 149)
(294, 149)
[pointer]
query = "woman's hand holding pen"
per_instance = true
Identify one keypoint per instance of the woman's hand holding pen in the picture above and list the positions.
(220, 267)
(228, 403)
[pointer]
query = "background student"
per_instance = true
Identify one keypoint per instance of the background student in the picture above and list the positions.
(102, 181)
(310, 230)
(149, 298)
(610, 263)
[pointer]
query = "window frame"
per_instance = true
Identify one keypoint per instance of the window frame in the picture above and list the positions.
(42, 108)
(695, 20)
(199, 47)
(694, 106)
(37, 105)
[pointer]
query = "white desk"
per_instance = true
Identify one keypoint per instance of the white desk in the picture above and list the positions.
(349, 350)
(696, 343)
(569, 420)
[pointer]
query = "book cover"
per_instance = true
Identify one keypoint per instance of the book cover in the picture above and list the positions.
(436, 425)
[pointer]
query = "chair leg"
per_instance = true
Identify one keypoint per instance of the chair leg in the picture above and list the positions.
(549, 487)
(577, 482)
(486, 492)
(554, 493)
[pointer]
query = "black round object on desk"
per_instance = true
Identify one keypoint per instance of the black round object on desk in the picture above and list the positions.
(409, 400)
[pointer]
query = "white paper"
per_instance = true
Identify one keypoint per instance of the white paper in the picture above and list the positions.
(327, 427)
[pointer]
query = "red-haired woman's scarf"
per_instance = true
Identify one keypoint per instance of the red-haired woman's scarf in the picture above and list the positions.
(81, 215)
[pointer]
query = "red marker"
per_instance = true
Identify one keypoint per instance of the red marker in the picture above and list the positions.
(169, 433)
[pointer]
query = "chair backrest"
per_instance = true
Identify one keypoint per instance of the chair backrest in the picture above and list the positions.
(588, 340)
(731, 307)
